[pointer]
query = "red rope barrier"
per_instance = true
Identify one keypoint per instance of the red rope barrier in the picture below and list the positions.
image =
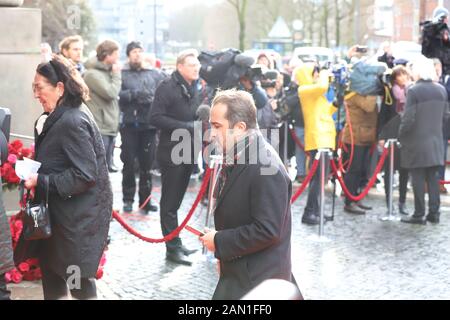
(369, 185)
(175, 232)
(443, 182)
(305, 183)
(297, 141)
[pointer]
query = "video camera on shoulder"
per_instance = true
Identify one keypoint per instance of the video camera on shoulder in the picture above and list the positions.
(5, 127)
(269, 79)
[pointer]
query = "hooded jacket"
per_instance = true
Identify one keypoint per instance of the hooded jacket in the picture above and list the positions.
(104, 87)
(320, 131)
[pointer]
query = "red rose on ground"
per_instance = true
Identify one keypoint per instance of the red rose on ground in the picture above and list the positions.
(37, 274)
(16, 276)
(33, 262)
(8, 277)
(99, 274)
(24, 267)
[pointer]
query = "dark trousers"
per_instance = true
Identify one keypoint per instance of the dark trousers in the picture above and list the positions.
(357, 169)
(55, 287)
(442, 168)
(109, 143)
(138, 144)
(313, 201)
(403, 176)
(174, 182)
(430, 176)
(4, 292)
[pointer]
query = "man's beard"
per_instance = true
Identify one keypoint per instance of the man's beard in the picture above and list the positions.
(136, 65)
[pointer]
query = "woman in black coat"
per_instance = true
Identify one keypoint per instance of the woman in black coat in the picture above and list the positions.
(70, 149)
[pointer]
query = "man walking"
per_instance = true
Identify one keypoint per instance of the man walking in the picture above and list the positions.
(252, 214)
(174, 107)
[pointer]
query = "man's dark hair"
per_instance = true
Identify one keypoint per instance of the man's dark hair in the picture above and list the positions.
(106, 48)
(240, 107)
(59, 69)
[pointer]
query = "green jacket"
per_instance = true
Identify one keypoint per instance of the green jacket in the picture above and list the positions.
(104, 87)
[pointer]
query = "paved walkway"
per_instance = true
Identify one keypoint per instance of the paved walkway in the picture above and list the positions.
(360, 257)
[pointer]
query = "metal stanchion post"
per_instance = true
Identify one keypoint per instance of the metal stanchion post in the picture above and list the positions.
(323, 158)
(391, 216)
(285, 147)
(215, 164)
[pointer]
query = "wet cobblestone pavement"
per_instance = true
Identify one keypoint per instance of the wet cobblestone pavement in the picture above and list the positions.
(360, 257)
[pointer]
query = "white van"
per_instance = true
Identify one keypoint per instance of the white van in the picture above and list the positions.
(320, 54)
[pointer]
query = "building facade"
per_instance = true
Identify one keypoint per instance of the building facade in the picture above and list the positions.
(132, 20)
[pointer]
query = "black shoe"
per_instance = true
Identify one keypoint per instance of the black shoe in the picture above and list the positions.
(128, 207)
(108, 240)
(310, 219)
(112, 169)
(402, 209)
(187, 251)
(353, 209)
(149, 207)
(414, 220)
(433, 218)
(363, 206)
(177, 256)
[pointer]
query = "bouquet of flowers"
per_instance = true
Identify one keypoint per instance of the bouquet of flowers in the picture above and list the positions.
(7, 172)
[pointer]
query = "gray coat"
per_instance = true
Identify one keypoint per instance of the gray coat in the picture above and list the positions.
(104, 87)
(6, 255)
(71, 151)
(420, 132)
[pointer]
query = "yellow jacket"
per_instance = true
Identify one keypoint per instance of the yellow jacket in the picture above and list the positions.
(320, 131)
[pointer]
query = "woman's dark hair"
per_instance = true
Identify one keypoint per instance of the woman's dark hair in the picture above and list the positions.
(59, 69)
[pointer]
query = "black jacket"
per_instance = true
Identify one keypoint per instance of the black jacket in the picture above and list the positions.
(253, 220)
(420, 131)
(174, 107)
(72, 155)
(136, 95)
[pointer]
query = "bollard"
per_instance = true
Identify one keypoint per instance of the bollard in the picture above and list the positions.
(215, 164)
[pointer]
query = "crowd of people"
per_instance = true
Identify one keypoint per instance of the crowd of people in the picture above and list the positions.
(87, 105)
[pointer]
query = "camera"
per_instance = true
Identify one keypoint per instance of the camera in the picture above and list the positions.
(436, 42)
(386, 78)
(361, 49)
(269, 79)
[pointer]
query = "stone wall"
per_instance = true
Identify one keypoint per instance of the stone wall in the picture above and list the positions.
(20, 39)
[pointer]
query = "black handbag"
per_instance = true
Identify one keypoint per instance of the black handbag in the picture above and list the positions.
(36, 218)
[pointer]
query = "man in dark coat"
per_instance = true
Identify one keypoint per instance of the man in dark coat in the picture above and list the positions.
(6, 255)
(174, 111)
(252, 212)
(138, 136)
(420, 135)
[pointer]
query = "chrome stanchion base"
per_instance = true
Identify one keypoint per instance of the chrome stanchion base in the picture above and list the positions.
(391, 217)
(318, 238)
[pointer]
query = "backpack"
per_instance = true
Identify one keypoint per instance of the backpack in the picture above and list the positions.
(216, 64)
(365, 78)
